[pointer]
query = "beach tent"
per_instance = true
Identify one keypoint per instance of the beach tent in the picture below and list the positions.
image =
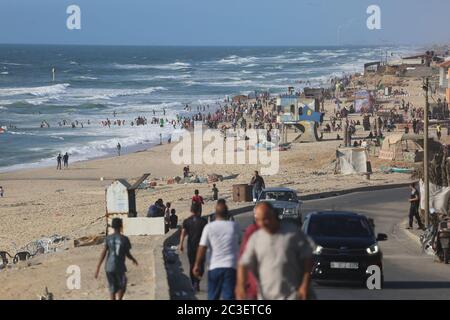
(351, 160)
(401, 147)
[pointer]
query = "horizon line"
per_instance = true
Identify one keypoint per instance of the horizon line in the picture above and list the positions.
(221, 45)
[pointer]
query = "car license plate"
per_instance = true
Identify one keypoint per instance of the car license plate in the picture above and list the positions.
(344, 265)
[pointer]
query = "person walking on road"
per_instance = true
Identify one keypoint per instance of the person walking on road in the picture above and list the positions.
(117, 248)
(221, 237)
(258, 185)
(414, 201)
(193, 228)
(280, 256)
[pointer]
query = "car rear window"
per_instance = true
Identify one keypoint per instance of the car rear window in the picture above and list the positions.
(339, 226)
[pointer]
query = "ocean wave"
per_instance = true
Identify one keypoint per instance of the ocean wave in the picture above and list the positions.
(35, 91)
(13, 64)
(21, 133)
(114, 93)
(170, 66)
(86, 78)
(173, 77)
(233, 83)
(236, 60)
(4, 73)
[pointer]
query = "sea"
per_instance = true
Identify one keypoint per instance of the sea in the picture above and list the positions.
(92, 83)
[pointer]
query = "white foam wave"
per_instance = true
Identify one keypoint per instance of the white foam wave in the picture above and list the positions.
(173, 77)
(170, 66)
(13, 64)
(21, 133)
(107, 94)
(35, 91)
(86, 78)
(236, 60)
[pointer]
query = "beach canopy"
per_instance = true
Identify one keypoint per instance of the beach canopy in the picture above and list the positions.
(401, 147)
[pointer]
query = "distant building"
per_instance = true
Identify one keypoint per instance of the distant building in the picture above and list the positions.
(372, 67)
(443, 74)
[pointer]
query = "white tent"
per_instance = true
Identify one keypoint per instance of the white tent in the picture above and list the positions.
(352, 160)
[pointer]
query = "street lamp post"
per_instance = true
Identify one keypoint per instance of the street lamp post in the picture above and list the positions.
(426, 177)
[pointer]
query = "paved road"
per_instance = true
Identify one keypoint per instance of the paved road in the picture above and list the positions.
(409, 274)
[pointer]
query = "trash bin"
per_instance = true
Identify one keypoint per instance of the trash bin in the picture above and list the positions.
(242, 193)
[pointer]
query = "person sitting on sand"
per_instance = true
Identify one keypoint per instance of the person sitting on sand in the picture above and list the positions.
(117, 248)
(186, 171)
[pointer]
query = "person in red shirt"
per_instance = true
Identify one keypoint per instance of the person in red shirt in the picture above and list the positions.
(251, 287)
(197, 198)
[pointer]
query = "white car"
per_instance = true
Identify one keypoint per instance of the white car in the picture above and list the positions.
(285, 201)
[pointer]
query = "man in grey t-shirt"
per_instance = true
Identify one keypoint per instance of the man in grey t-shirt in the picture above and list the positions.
(117, 248)
(279, 255)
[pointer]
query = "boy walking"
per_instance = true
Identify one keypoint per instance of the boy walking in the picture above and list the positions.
(117, 248)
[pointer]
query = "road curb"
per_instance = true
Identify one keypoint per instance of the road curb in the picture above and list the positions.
(408, 233)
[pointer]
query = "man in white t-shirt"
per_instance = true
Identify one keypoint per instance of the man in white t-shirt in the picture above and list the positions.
(221, 237)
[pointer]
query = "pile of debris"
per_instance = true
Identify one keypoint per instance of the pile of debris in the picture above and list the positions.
(32, 249)
(209, 178)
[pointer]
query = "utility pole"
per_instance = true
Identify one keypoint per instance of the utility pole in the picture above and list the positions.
(425, 154)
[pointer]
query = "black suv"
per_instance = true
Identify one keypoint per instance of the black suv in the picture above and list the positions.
(345, 245)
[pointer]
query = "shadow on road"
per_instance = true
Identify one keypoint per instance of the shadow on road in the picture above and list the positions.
(416, 285)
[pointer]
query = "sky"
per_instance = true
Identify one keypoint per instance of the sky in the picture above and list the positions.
(225, 22)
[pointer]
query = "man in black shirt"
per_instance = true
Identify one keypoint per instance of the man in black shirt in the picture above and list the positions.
(58, 160)
(414, 201)
(193, 228)
(258, 185)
